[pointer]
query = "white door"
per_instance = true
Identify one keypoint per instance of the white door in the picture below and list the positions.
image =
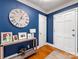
(42, 30)
(65, 31)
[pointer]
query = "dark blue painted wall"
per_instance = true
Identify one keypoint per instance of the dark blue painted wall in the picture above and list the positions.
(5, 26)
(50, 22)
(50, 28)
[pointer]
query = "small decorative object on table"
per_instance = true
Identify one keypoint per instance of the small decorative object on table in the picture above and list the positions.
(22, 35)
(6, 37)
(32, 31)
(29, 36)
(22, 51)
(15, 37)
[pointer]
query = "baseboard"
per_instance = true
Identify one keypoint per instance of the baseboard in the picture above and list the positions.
(41, 46)
(50, 44)
(58, 48)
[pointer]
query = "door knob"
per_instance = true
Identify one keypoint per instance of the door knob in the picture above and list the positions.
(73, 29)
(73, 35)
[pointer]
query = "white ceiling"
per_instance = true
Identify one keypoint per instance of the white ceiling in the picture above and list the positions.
(48, 6)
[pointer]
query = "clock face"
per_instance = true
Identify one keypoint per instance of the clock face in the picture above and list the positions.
(19, 18)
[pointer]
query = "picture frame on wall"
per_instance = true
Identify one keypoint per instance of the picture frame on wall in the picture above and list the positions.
(6, 37)
(22, 35)
(15, 37)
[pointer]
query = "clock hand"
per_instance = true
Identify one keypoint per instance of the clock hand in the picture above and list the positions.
(18, 21)
(21, 18)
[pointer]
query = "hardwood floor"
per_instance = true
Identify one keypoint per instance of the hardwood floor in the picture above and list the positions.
(45, 51)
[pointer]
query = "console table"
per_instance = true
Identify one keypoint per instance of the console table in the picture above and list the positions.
(28, 52)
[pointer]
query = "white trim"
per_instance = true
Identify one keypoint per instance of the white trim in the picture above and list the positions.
(56, 47)
(63, 6)
(66, 11)
(46, 44)
(41, 46)
(44, 22)
(32, 5)
(42, 10)
(50, 44)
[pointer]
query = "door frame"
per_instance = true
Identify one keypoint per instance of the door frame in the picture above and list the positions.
(76, 9)
(39, 30)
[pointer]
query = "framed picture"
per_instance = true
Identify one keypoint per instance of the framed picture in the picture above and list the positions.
(29, 36)
(6, 37)
(22, 35)
(15, 37)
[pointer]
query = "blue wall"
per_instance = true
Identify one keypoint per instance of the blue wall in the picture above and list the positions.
(5, 26)
(50, 22)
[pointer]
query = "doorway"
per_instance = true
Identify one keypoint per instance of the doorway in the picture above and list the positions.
(42, 30)
(65, 31)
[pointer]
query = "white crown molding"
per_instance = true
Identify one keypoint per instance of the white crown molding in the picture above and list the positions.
(32, 5)
(42, 10)
(61, 7)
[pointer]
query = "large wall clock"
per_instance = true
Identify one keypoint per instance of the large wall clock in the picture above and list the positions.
(19, 18)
